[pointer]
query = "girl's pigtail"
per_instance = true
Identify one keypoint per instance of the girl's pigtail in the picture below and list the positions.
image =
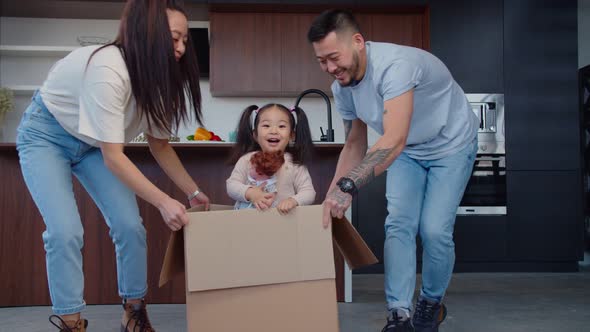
(244, 138)
(302, 149)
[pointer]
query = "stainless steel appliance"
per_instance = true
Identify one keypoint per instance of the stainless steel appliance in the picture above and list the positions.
(486, 191)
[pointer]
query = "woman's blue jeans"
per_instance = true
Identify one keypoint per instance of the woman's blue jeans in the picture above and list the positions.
(422, 198)
(48, 158)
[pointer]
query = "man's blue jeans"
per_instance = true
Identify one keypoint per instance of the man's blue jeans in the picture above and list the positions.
(49, 156)
(422, 197)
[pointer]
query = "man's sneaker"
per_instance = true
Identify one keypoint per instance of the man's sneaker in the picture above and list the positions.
(428, 315)
(398, 321)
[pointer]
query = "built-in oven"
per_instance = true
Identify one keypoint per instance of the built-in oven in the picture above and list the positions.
(486, 191)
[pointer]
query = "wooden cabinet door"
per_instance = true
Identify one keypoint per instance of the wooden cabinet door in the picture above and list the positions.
(409, 29)
(267, 54)
(300, 68)
(245, 54)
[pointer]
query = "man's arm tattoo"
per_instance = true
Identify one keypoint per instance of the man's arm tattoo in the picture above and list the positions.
(365, 171)
(339, 196)
(347, 128)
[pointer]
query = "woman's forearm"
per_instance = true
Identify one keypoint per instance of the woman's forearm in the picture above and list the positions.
(120, 165)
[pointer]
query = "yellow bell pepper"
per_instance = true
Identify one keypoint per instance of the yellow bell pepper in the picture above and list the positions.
(202, 134)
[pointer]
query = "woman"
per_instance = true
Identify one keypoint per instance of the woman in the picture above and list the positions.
(92, 102)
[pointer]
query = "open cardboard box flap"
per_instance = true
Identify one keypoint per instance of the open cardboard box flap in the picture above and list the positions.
(228, 248)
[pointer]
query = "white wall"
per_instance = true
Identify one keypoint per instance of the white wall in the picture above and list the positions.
(221, 114)
(583, 33)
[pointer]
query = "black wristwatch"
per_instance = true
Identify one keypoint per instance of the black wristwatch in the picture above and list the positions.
(347, 185)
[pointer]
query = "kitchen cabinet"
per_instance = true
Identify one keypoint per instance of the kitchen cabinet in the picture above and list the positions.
(468, 37)
(542, 231)
(299, 68)
(267, 53)
(245, 54)
(22, 257)
(545, 210)
(543, 130)
(404, 28)
(477, 238)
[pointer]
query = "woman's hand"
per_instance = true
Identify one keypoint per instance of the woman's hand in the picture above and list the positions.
(287, 205)
(174, 213)
(260, 198)
(200, 199)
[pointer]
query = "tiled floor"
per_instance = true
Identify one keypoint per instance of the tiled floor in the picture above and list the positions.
(477, 302)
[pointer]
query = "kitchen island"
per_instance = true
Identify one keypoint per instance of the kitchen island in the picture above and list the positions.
(24, 281)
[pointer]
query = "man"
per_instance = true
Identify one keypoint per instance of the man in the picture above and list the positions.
(427, 146)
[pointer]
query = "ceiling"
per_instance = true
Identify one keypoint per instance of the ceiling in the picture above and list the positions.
(82, 9)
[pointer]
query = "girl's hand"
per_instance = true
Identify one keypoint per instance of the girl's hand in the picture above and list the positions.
(287, 205)
(174, 213)
(261, 199)
(200, 199)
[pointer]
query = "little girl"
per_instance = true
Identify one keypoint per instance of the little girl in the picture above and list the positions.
(269, 171)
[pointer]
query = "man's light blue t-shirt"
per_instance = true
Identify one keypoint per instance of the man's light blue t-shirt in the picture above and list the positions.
(442, 120)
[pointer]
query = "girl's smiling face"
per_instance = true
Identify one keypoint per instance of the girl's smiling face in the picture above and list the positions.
(273, 130)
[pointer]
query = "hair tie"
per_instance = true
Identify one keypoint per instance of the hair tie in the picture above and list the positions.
(294, 113)
(253, 116)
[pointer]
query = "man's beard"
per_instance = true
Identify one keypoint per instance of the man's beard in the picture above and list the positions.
(352, 71)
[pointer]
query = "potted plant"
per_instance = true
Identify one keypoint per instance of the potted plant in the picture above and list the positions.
(5, 106)
(5, 102)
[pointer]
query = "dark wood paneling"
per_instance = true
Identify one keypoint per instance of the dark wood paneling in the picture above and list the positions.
(365, 23)
(403, 29)
(318, 7)
(540, 78)
(299, 66)
(22, 254)
(267, 60)
(22, 257)
(244, 53)
(292, 66)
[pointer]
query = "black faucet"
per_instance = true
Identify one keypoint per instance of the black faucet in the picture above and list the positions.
(330, 131)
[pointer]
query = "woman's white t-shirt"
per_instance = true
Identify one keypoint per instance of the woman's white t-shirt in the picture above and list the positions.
(93, 101)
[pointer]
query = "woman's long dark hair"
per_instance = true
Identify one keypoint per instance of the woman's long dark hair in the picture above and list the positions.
(301, 150)
(158, 81)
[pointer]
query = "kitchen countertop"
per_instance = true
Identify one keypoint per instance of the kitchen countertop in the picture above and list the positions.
(196, 144)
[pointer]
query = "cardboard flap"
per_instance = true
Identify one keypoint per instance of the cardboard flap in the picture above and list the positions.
(351, 244)
(173, 264)
(228, 249)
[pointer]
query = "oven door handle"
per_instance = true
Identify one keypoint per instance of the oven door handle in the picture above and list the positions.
(489, 158)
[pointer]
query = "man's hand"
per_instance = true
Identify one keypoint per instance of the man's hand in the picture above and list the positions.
(200, 199)
(335, 204)
(260, 198)
(286, 205)
(174, 213)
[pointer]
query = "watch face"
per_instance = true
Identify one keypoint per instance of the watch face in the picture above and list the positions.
(346, 185)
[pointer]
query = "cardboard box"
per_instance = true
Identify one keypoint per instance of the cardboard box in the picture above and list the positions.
(253, 271)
